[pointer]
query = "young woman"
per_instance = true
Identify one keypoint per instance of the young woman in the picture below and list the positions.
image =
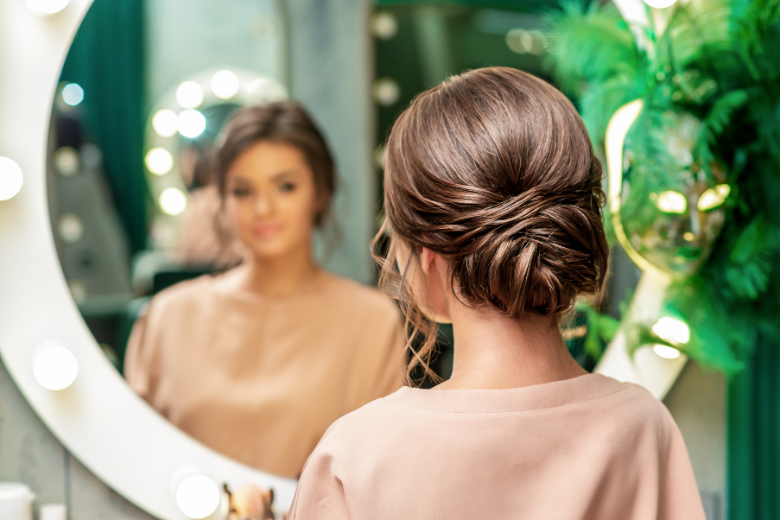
(492, 196)
(259, 361)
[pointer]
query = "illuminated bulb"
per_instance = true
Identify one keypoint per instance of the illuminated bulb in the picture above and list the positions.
(173, 201)
(70, 228)
(672, 330)
(660, 4)
(159, 161)
(66, 161)
(165, 122)
(385, 91)
(665, 351)
(72, 94)
(197, 496)
(225, 84)
(672, 202)
(713, 197)
(191, 123)
(47, 7)
(189, 95)
(11, 178)
(55, 367)
(383, 25)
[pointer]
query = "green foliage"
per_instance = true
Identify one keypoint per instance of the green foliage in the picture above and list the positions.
(718, 60)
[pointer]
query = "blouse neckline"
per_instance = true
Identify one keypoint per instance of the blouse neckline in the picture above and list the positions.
(555, 394)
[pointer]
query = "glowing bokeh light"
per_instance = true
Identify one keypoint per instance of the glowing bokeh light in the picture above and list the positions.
(66, 161)
(165, 122)
(159, 161)
(11, 178)
(189, 95)
(72, 94)
(225, 84)
(55, 367)
(191, 123)
(70, 228)
(173, 201)
(666, 352)
(672, 330)
(197, 496)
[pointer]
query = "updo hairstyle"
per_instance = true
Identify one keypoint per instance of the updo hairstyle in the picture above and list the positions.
(494, 171)
(281, 122)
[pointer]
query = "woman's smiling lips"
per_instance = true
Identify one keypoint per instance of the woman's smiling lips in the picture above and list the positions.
(266, 230)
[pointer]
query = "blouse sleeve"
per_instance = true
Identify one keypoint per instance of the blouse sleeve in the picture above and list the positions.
(139, 357)
(320, 493)
(679, 497)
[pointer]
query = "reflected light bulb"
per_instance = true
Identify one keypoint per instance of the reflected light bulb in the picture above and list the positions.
(47, 7)
(159, 161)
(55, 367)
(672, 330)
(72, 94)
(173, 201)
(191, 123)
(189, 95)
(165, 122)
(660, 4)
(225, 84)
(665, 351)
(11, 178)
(197, 496)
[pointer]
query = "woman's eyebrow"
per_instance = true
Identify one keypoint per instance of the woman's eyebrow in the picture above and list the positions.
(283, 174)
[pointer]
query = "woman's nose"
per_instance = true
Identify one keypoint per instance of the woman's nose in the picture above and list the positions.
(263, 205)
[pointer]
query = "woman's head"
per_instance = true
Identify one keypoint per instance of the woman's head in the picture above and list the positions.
(493, 170)
(276, 177)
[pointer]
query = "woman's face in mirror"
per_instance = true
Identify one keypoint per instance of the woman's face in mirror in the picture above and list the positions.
(271, 199)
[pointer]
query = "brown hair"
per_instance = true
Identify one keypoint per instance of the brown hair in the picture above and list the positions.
(494, 170)
(282, 122)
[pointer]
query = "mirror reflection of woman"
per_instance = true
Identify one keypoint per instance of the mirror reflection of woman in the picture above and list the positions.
(259, 361)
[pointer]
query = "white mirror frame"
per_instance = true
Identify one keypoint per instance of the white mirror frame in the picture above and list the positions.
(98, 418)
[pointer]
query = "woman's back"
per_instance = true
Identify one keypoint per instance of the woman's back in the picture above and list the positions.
(493, 198)
(587, 447)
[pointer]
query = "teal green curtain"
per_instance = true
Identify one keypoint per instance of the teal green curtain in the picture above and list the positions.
(107, 60)
(754, 438)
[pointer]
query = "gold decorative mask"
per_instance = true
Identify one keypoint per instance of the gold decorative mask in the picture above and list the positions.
(666, 193)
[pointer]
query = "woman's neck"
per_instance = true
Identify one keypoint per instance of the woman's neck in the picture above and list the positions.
(285, 275)
(493, 350)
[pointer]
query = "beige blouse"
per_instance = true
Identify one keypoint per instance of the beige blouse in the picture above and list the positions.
(580, 449)
(258, 379)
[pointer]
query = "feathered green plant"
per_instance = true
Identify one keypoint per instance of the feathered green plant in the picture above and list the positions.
(718, 60)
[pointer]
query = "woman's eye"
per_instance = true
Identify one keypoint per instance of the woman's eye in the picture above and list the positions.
(287, 187)
(241, 192)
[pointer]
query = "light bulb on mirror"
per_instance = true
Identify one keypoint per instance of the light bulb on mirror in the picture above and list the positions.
(159, 161)
(47, 7)
(191, 123)
(54, 366)
(225, 84)
(72, 94)
(197, 496)
(165, 122)
(189, 95)
(173, 201)
(11, 178)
